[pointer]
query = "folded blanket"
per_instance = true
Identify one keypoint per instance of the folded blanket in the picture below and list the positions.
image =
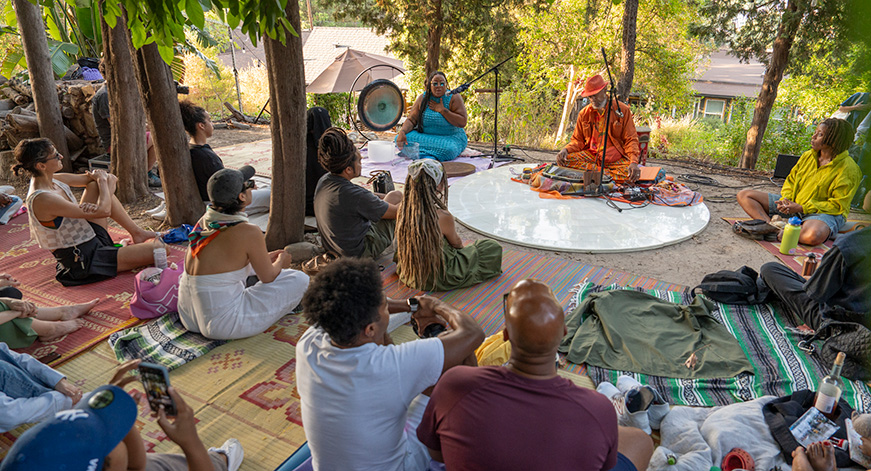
(164, 341)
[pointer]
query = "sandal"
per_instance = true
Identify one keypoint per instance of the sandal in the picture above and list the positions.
(738, 459)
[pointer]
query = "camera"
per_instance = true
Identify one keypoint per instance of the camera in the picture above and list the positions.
(430, 327)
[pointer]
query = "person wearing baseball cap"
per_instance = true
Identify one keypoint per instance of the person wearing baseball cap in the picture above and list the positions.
(225, 249)
(584, 150)
(100, 433)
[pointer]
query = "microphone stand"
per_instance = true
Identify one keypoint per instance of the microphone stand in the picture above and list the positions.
(497, 155)
(612, 92)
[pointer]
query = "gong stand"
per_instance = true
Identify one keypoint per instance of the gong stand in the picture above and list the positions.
(380, 104)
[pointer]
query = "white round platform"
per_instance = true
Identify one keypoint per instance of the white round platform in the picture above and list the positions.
(490, 203)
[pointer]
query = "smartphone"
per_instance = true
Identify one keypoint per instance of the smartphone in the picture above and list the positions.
(155, 380)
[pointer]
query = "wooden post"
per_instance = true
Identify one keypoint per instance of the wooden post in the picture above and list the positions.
(569, 94)
(33, 41)
(288, 128)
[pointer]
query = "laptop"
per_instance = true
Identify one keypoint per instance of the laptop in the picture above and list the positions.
(784, 165)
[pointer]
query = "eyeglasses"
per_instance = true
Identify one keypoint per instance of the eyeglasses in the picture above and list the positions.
(439, 84)
(56, 156)
(505, 304)
(249, 185)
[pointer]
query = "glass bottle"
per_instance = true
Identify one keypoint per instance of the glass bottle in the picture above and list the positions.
(829, 391)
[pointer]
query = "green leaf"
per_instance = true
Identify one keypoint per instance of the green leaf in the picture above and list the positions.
(195, 13)
(166, 53)
(62, 56)
(137, 34)
(84, 18)
(14, 57)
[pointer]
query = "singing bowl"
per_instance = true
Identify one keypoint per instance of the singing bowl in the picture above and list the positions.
(380, 105)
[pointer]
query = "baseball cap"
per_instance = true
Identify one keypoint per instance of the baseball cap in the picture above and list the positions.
(76, 439)
(225, 185)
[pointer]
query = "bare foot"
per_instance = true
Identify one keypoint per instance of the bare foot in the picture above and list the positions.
(77, 310)
(142, 236)
(822, 456)
(50, 330)
(800, 461)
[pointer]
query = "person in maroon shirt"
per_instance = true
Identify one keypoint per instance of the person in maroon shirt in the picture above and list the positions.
(523, 415)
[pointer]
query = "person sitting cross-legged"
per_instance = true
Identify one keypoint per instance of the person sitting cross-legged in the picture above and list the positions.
(818, 189)
(352, 221)
(360, 394)
(584, 151)
(213, 296)
(523, 415)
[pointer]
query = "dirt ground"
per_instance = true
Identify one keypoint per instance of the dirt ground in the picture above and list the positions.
(715, 248)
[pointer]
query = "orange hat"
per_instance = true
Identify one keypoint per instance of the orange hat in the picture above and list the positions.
(593, 85)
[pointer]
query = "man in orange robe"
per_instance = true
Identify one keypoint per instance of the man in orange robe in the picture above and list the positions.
(584, 151)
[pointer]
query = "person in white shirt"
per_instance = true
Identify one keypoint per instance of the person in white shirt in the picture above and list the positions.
(361, 395)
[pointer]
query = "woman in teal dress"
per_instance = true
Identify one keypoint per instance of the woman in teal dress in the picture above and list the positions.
(436, 122)
(429, 253)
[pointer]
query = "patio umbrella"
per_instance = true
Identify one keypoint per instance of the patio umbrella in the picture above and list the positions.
(339, 76)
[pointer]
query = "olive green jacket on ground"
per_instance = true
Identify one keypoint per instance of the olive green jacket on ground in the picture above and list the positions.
(629, 330)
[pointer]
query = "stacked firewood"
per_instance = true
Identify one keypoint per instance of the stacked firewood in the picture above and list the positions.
(18, 118)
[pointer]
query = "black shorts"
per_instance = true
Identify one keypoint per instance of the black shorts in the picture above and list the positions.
(97, 260)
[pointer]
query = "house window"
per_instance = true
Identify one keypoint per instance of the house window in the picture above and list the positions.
(715, 108)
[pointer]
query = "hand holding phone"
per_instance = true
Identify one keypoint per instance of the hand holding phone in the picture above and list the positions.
(155, 381)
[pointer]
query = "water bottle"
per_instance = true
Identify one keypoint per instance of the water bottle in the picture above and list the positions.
(790, 235)
(159, 253)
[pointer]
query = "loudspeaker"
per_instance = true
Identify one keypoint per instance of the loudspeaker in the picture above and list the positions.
(380, 105)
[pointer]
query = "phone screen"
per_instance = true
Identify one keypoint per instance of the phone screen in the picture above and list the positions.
(155, 380)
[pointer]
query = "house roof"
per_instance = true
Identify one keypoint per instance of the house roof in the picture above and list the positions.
(726, 76)
(320, 47)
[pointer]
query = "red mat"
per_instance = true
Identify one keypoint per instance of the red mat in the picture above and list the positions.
(796, 258)
(34, 267)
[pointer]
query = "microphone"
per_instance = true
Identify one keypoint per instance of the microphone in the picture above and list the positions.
(462, 88)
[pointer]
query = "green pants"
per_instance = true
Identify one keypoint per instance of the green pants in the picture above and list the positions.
(378, 238)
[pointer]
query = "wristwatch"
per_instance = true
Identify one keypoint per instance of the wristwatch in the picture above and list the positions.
(413, 305)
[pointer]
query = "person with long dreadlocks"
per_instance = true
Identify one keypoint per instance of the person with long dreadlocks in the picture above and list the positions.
(430, 254)
(225, 249)
(436, 121)
(818, 189)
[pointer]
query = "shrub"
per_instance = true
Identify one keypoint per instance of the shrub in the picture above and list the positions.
(206, 89)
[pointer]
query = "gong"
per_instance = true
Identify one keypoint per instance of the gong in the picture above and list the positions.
(380, 105)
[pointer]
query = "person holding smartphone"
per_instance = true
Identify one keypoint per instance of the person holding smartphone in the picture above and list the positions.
(100, 433)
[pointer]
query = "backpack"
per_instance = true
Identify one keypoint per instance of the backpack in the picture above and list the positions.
(839, 333)
(742, 286)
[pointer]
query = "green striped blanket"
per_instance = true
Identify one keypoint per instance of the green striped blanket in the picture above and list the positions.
(767, 337)
(164, 341)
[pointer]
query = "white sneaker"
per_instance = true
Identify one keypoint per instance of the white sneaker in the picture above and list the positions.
(159, 208)
(638, 419)
(658, 408)
(232, 449)
(160, 216)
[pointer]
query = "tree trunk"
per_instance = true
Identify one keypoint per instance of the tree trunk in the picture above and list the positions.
(789, 23)
(288, 127)
(51, 124)
(627, 58)
(126, 115)
(183, 203)
(434, 36)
